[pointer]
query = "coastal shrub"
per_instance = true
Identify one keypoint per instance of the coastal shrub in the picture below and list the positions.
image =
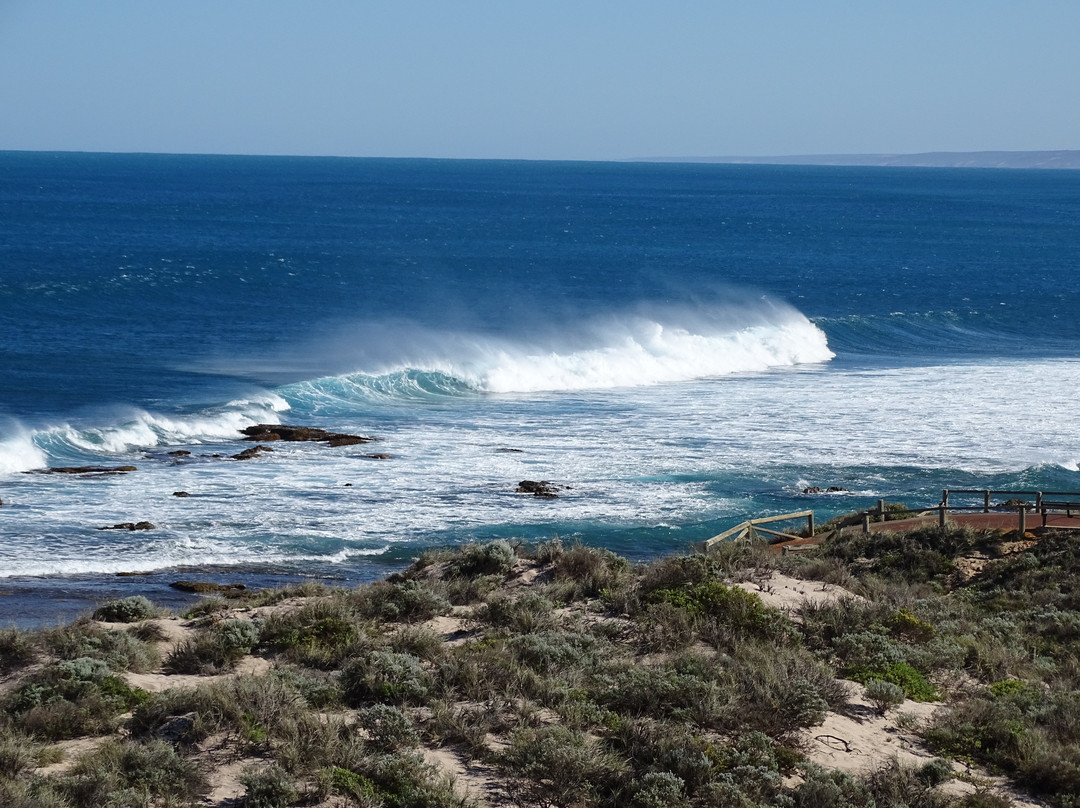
(385, 676)
(126, 610)
(675, 690)
(72, 698)
(388, 727)
(268, 787)
(131, 774)
(409, 601)
(665, 627)
(318, 689)
(215, 649)
(84, 638)
(558, 652)
(467, 591)
(676, 572)
(779, 691)
(907, 678)
(548, 552)
(520, 615)
(17, 753)
(592, 570)
(658, 790)
(148, 631)
(419, 641)
(884, 695)
(560, 767)
(17, 649)
(492, 558)
(320, 634)
(35, 793)
(207, 607)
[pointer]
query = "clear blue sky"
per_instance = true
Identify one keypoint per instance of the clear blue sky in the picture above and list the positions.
(590, 79)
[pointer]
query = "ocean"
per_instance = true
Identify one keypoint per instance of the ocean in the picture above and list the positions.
(678, 347)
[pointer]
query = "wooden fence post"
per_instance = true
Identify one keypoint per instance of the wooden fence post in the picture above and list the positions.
(941, 516)
(986, 502)
(1022, 511)
(866, 522)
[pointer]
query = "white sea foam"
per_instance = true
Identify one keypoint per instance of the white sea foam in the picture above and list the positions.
(647, 352)
(633, 350)
(18, 452)
(132, 430)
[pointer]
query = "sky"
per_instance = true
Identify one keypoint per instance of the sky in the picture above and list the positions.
(582, 80)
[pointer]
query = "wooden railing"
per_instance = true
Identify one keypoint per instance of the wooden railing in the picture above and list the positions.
(751, 527)
(1045, 503)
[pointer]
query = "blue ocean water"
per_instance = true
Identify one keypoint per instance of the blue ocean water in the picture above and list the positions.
(683, 346)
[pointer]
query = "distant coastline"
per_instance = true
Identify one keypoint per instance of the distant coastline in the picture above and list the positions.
(1069, 159)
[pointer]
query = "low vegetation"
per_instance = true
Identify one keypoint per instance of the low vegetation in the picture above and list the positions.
(571, 678)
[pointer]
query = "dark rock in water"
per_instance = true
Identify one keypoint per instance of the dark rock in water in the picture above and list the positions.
(208, 588)
(540, 488)
(179, 453)
(813, 490)
(84, 470)
(379, 457)
(832, 489)
(132, 574)
(181, 494)
(131, 526)
(504, 450)
(348, 485)
(271, 432)
(254, 451)
(835, 489)
(346, 440)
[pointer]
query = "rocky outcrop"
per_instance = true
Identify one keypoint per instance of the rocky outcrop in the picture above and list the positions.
(208, 588)
(131, 526)
(181, 494)
(84, 470)
(272, 432)
(832, 489)
(254, 451)
(541, 489)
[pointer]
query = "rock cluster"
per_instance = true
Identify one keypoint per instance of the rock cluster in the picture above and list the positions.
(272, 432)
(541, 489)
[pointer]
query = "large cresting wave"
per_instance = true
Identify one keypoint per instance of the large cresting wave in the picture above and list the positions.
(625, 351)
(645, 352)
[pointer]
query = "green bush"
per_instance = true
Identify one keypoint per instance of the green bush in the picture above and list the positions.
(215, 649)
(84, 638)
(17, 649)
(385, 676)
(408, 601)
(388, 727)
(592, 570)
(883, 695)
(126, 610)
(910, 681)
(268, 787)
(556, 766)
(130, 774)
(71, 698)
(493, 558)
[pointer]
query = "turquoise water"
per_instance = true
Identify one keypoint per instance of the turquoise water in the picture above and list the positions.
(683, 346)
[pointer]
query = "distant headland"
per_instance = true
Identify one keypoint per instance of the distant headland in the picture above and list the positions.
(977, 159)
